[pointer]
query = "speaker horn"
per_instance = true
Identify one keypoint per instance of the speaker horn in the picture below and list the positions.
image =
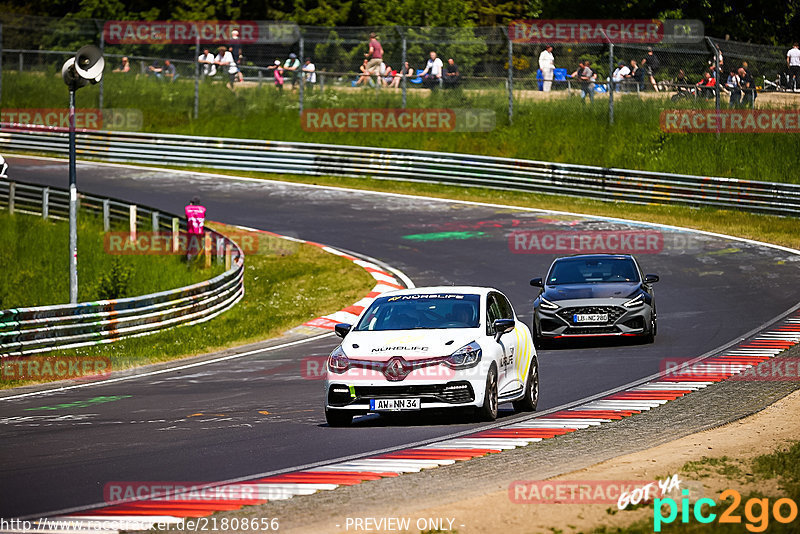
(89, 63)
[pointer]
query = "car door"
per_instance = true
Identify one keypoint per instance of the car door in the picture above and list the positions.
(500, 308)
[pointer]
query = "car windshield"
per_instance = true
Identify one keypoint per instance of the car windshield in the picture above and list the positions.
(409, 312)
(592, 271)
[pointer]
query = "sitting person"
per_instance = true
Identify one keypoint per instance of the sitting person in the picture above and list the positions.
(365, 75)
(432, 75)
(169, 71)
(125, 67)
(705, 87)
(451, 75)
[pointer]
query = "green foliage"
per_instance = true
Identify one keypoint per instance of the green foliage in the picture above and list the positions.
(114, 283)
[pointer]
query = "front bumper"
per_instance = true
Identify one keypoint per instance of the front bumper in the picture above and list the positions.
(561, 323)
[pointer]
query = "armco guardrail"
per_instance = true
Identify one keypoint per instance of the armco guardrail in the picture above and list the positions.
(414, 165)
(25, 331)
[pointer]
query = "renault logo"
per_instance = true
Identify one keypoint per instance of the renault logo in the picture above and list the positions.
(397, 369)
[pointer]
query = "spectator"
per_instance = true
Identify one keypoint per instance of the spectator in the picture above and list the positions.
(125, 67)
(635, 76)
(195, 226)
(310, 73)
(619, 76)
(277, 72)
(641, 74)
(224, 60)
(793, 61)
(680, 79)
(365, 77)
(653, 64)
(206, 59)
(748, 86)
(547, 66)
(452, 75)
(169, 71)
(432, 75)
(587, 77)
(155, 69)
(705, 87)
(374, 56)
(406, 72)
(292, 66)
(732, 86)
(236, 51)
(388, 75)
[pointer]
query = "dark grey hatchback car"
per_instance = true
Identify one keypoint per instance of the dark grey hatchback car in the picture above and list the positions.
(594, 295)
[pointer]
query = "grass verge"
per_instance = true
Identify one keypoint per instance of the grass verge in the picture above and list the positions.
(286, 284)
(35, 253)
(559, 130)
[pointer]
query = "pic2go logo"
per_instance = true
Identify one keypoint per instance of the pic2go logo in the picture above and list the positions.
(756, 511)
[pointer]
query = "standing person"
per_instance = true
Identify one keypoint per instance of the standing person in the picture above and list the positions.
(224, 60)
(195, 227)
(732, 86)
(374, 56)
(636, 75)
(748, 87)
(619, 75)
(278, 74)
(236, 50)
(310, 73)
(432, 75)
(292, 66)
(547, 66)
(587, 77)
(793, 61)
(206, 59)
(653, 64)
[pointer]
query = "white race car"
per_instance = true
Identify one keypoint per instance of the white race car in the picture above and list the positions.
(432, 348)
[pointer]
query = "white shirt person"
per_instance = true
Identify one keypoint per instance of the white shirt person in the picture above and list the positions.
(547, 66)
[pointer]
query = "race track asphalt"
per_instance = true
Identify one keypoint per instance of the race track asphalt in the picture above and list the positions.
(259, 414)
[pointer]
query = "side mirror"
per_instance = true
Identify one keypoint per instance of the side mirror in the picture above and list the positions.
(537, 282)
(650, 278)
(342, 329)
(502, 326)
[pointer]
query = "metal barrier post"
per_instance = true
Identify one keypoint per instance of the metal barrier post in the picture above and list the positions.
(12, 189)
(20, 61)
(155, 222)
(302, 78)
(1, 62)
(611, 87)
(176, 225)
(132, 221)
(106, 216)
(404, 77)
(45, 203)
(218, 252)
(227, 256)
(196, 76)
(510, 79)
(207, 250)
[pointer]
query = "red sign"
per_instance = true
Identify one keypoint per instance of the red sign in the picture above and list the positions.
(730, 121)
(586, 31)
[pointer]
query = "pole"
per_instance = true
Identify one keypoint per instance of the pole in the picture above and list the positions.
(302, 78)
(1, 62)
(102, 50)
(197, 77)
(610, 83)
(715, 48)
(510, 80)
(73, 207)
(404, 78)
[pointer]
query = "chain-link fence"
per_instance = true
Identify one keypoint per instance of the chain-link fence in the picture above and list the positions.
(318, 67)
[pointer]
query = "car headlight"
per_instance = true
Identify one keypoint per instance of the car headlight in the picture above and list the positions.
(636, 301)
(467, 356)
(337, 361)
(547, 305)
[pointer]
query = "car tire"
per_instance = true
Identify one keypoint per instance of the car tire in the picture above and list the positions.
(650, 336)
(529, 402)
(488, 412)
(338, 418)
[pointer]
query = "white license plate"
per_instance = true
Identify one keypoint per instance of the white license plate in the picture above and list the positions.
(393, 405)
(590, 318)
